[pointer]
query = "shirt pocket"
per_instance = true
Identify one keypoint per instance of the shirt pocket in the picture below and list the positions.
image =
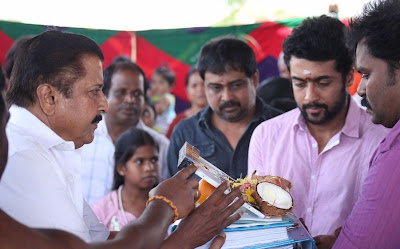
(207, 151)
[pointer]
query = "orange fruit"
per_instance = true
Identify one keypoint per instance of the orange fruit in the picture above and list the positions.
(205, 189)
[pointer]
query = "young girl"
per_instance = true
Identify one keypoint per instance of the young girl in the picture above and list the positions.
(135, 174)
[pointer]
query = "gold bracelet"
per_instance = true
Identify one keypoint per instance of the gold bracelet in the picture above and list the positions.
(168, 201)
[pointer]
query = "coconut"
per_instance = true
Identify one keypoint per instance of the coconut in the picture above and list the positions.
(272, 195)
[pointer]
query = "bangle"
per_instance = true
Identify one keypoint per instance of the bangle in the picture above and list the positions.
(168, 201)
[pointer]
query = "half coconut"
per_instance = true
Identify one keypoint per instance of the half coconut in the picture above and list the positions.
(272, 195)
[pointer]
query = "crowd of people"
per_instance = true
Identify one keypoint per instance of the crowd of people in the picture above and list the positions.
(88, 157)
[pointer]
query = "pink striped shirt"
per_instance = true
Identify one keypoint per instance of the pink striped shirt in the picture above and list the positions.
(375, 219)
(325, 186)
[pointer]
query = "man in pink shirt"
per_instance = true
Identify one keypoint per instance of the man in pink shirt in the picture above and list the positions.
(323, 146)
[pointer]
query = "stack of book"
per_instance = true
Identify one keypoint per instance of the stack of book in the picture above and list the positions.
(253, 230)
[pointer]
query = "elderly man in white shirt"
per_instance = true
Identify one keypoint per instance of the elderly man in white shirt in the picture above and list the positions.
(56, 102)
(48, 172)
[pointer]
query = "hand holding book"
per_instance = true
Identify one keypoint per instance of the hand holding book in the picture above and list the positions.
(211, 216)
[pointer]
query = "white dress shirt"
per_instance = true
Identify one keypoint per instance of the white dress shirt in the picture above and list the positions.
(41, 186)
(98, 161)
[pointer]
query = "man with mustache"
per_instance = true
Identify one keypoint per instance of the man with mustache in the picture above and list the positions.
(56, 96)
(222, 131)
(323, 146)
(125, 89)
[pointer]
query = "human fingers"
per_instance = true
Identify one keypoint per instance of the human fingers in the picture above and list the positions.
(337, 231)
(193, 183)
(218, 193)
(227, 216)
(229, 198)
(218, 241)
(186, 172)
(324, 241)
(197, 196)
(317, 240)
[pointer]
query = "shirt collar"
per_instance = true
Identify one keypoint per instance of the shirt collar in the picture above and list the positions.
(351, 126)
(391, 137)
(140, 124)
(102, 129)
(262, 112)
(32, 126)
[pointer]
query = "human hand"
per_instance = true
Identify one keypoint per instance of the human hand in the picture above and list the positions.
(181, 190)
(161, 105)
(208, 219)
(327, 241)
(218, 241)
(324, 241)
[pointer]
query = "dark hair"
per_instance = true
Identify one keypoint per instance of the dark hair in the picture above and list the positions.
(2, 100)
(53, 57)
(167, 74)
(284, 104)
(320, 39)
(379, 28)
(226, 53)
(10, 56)
(150, 103)
(191, 71)
(3, 108)
(277, 92)
(121, 64)
(121, 58)
(126, 146)
(2, 80)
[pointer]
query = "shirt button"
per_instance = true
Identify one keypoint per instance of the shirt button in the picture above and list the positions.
(314, 145)
(313, 177)
(309, 210)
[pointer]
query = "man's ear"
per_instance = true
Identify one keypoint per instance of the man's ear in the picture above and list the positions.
(255, 77)
(47, 96)
(350, 78)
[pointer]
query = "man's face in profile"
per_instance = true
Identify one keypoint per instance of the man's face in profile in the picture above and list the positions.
(379, 87)
(76, 117)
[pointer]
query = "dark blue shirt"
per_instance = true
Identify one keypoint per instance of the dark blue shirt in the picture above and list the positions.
(213, 145)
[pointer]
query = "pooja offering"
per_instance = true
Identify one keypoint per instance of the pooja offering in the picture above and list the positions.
(269, 194)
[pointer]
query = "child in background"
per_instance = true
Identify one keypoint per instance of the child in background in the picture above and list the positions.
(162, 82)
(135, 174)
(149, 112)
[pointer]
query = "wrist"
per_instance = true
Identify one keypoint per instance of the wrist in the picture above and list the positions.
(162, 199)
(176, 240)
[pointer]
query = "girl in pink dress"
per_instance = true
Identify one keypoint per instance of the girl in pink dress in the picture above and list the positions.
(135, 174)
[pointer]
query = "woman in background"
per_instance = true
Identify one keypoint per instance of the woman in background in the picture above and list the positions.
(196, 95)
